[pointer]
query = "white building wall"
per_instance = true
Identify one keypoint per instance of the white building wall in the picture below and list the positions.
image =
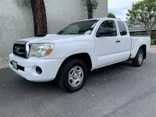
(61, 12)
(102, 9)
(16, 21)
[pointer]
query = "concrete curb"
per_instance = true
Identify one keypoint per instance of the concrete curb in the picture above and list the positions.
(153, 46)
(153, 49)
(4, 63)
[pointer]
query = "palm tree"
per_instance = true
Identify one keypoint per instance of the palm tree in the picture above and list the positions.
(91, 6)
(39, 15)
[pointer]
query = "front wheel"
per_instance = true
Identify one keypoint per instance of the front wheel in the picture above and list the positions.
(139, 59)
(72, 75)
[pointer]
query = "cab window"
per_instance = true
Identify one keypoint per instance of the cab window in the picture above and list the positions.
(107, 28)
(122, 28)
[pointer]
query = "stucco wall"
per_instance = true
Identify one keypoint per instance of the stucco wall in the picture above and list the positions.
(16, 21)
(61, 12)
(102, 9)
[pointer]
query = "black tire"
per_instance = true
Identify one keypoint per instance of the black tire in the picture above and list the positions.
(62, 77)
(136, 62)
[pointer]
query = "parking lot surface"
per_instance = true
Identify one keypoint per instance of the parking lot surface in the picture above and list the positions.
(116, 91)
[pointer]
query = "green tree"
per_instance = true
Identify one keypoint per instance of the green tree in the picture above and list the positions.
(144, 13)
(91, 7)
(111, 15)
(39, 15)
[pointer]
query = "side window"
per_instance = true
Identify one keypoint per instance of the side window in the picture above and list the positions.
(122, 28)
(107, 28)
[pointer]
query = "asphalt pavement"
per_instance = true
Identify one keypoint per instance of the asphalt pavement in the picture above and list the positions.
(116, 91)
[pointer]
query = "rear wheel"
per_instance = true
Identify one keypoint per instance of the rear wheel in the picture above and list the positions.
(139, 59)
(72, 75)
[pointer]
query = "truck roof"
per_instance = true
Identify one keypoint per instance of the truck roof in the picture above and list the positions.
(101, 19)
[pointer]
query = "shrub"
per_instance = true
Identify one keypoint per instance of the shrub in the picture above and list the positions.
(153, 35)
(138, 33)
(153, 41)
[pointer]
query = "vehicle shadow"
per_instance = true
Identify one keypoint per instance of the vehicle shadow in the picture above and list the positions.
(111, 70)
(111, 67)
(94, 76)
(21, 89)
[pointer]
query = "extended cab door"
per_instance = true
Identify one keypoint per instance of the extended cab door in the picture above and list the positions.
(108, 44)
(124, 40)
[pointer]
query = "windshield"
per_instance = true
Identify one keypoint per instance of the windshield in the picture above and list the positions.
(78, 28)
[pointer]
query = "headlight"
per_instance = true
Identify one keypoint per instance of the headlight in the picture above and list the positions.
(41, 50)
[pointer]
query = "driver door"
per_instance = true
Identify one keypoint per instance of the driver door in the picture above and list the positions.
(107, 44)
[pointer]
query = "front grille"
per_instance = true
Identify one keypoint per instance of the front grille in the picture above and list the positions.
(19, 49)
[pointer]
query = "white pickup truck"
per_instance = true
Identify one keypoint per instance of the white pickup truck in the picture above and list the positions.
(78, 48)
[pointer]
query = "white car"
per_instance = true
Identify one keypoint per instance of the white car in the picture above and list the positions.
(78, 48)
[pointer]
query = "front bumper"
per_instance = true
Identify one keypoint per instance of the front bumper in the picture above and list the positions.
(27, 69)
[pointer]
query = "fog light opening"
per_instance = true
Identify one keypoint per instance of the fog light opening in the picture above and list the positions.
(38, 70)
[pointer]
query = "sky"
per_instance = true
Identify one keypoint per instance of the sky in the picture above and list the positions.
(120, 7)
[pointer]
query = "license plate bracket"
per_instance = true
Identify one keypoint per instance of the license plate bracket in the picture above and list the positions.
(14, 64)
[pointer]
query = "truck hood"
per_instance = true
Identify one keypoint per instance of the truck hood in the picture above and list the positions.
(52, 38)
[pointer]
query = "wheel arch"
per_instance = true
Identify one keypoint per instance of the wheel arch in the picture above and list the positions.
(135, 51)
(85, 57)
(144, 48)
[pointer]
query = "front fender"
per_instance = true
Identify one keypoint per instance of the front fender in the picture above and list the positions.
(63, 51)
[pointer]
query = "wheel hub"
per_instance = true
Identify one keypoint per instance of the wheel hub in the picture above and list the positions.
(140, 58)
(75, 76)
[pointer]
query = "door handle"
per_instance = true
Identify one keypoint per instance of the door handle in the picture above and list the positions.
(118, 41)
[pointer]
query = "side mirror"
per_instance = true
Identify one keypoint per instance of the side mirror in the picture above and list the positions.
(105, 32)
(88, 32)
(123, 33)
